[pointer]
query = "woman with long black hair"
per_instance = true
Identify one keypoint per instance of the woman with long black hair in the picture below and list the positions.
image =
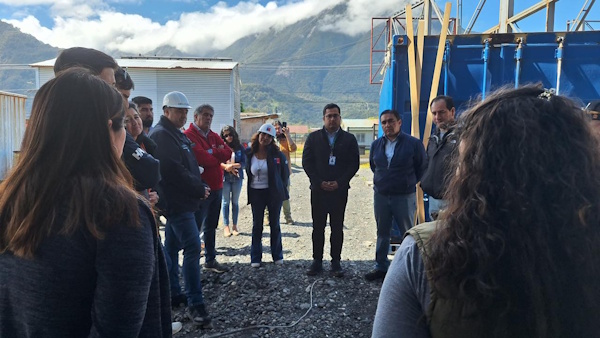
(267, 181)
(517, 251)
(79, 251)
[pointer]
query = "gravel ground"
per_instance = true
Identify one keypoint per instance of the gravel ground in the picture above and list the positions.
(282, 295)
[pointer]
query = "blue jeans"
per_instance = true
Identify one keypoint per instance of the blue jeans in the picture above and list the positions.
(207, 219)
(264, 200)
(231, 194)
(435, 205)
(181, 232)
(402, 209)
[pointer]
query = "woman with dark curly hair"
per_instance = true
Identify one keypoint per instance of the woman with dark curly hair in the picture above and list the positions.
(517, 252)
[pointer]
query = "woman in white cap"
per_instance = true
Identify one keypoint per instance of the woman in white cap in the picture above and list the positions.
(268, 176)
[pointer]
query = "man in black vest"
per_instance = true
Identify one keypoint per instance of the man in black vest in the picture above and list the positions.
(439, 153)
(330, 159)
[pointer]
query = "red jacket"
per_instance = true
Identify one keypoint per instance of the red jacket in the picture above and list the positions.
(210, 153)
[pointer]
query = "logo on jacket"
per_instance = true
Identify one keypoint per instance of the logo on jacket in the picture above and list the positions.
(278, 160)
(138, 153)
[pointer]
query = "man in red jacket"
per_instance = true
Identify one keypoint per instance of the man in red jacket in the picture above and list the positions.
(210, 152)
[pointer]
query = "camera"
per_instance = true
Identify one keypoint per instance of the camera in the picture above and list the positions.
(284, 124)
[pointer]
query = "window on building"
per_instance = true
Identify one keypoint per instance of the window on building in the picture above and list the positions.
(360, 138)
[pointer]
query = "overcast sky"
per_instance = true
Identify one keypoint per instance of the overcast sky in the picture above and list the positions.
(199, 27)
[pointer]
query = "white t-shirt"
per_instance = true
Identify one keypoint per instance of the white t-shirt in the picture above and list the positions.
(260, 173)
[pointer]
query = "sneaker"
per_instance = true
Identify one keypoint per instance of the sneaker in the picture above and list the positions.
(255, 265)
(336, 269)
(289, 221)
(176, 327)
(215, 266)
(178, 300)
(315, 268)
(375, 275)
(279, 262)
(198, 315)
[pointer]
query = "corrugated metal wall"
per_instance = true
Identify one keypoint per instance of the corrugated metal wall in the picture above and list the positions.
(12, 128)
(219, 88)
(200, 87)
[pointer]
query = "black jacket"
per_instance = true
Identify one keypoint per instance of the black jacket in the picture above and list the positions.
(315, 159)
(181, 184)
(405, 169)
(117, 286)
(439, 156)
(144, 168)
(278, 172)
(150, 145)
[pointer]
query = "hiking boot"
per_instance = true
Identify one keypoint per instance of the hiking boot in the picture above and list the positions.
(178, 300)
(198, 315)
(375, 275)
(336, 269)
(315, 268)
(215, 266)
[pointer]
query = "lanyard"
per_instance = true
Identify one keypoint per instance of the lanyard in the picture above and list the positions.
(332, 143)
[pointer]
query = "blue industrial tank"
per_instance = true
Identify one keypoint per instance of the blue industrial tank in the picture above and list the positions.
(474, 65)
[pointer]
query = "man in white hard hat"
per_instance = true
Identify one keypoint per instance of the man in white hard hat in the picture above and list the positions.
(183, 190)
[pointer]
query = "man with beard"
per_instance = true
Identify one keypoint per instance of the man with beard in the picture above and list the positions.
(146, 111)
(439, 153)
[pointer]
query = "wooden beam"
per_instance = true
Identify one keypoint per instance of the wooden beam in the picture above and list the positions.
(420, 49)
(437, 70)
(412, 75)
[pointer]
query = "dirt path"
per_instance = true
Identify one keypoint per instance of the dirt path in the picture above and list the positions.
(280, 295)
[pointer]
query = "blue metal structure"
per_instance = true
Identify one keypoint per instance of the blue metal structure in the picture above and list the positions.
(474, 65)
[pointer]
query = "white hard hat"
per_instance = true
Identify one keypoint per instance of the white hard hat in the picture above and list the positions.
(268, 129)
(176, 100)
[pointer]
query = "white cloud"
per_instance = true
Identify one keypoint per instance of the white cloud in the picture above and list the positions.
(94, 24)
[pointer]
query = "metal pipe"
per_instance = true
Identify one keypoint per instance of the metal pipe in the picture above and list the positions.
(485, 56)
(559, 57)
(446, 67)
(518, 56)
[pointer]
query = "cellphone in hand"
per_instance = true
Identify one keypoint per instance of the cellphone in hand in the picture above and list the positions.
(284, 124)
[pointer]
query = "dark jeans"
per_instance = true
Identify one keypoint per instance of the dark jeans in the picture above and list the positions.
(402, 209)
(181, 232)
(261, 201)
(333, 204)
(207, 219)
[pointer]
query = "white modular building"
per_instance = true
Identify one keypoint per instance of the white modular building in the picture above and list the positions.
(214, 81)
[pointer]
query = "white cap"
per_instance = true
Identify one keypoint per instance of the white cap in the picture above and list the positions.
(176, 100)
(268, 129)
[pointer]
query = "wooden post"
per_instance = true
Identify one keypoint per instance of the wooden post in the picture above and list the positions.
(412, 74)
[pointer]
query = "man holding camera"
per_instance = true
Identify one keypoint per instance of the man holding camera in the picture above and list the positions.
(287, 146)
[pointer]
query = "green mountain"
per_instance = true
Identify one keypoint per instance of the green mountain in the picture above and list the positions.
(17, 49)
(293, 71)
(300, 68)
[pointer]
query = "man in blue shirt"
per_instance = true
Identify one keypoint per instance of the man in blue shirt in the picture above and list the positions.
(398, 162)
